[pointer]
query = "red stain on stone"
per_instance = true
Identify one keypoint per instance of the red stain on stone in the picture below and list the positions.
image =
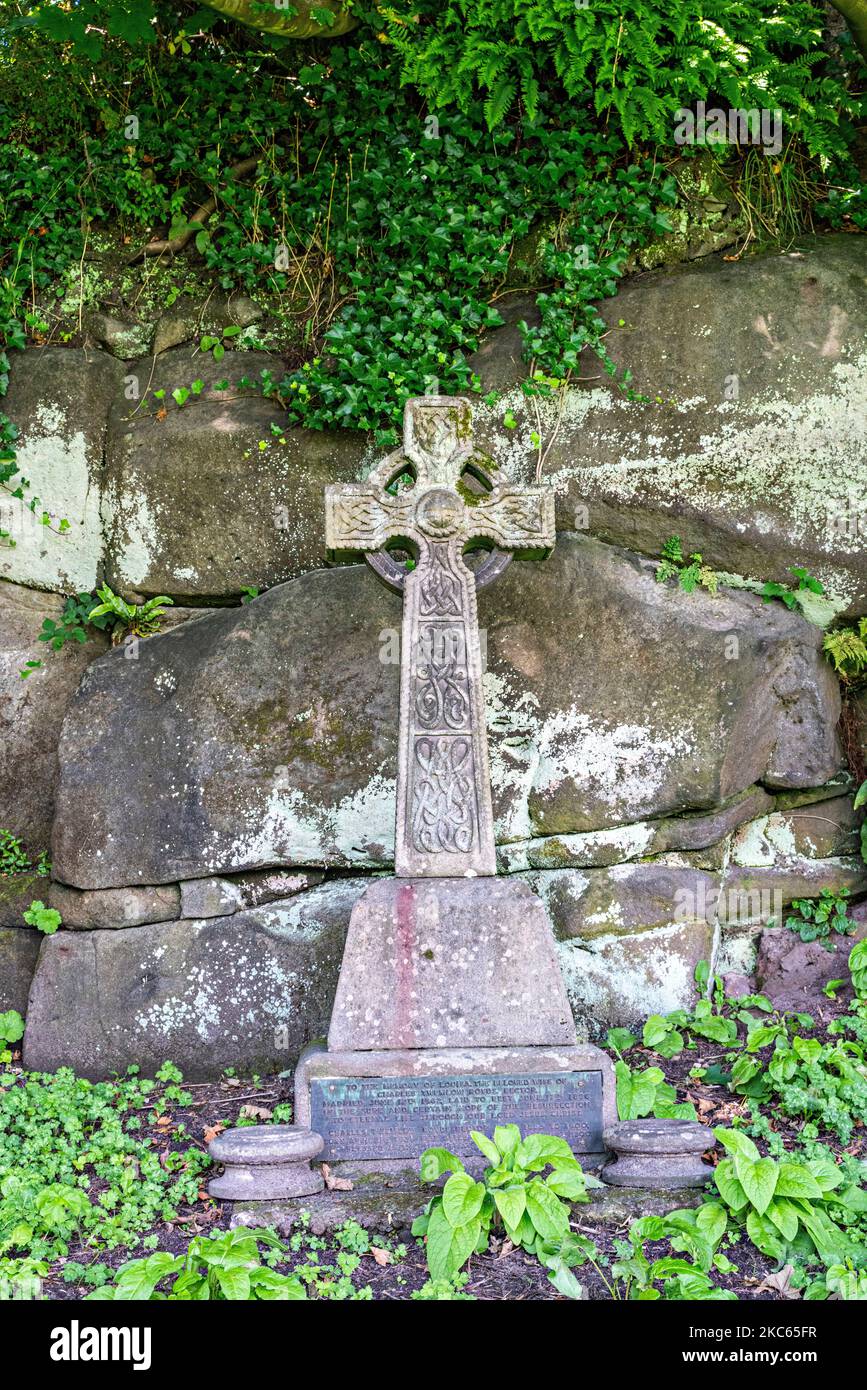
(406, 980)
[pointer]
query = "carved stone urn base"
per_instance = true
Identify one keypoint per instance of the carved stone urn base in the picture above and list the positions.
(450, 1015)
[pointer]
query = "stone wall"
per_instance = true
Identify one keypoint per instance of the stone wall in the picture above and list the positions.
(667, 772)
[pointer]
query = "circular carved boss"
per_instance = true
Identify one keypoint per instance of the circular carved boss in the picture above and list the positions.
(439, 515)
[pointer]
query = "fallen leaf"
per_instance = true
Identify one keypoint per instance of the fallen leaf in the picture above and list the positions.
(256, 1112)
(382, 1257)
(779, 1283)
(334, 1184)
(212, 1131)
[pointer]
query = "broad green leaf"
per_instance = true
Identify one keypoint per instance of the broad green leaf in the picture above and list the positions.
(434, 1162)
(564, 1282)
(538, 1150)
(712, 1219)
(568, 1181)
(549, 1215)
(796, 1180)
(808, 1049)
(831, 1243)
(784, 1216)
(462, 1199)
(759, 1180)
(762, 1036)
(137, 1280)
(664, 1268)
(655, 1029)
(486, 1146)
(826, 1173)
(620, 1039)
(764, 1236)
(234, 1283)
(511, 1203)
(737, 1142)
(449, 1247)
(507, 1138)
(728, 1185)
(647, 1228)
(267, 1284)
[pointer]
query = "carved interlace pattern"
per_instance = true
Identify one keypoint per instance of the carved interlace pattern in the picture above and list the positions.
(442, 695)
(443, 796)
(439, 587)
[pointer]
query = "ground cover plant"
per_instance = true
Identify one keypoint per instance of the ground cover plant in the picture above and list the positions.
(103, 1185)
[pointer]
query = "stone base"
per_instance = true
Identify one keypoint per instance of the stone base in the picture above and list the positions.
(658, 1153)
(449, 963)
(266, 1163)
(391, 1209)
(389, 1106)
(265, 1183)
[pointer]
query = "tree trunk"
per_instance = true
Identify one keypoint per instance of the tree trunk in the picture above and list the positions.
(282, 22)
(855, 14)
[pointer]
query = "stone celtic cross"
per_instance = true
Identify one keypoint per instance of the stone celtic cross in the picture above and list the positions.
(444, 818)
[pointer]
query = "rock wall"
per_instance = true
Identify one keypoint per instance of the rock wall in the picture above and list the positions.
(667, 772)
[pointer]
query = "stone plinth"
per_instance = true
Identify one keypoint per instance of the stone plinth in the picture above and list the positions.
(391, 1105)
(450, 1016)
(266, 1162)
(658, 1153)
(449, 963)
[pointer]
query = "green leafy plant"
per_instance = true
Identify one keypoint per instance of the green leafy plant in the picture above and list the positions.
(632, 1274)
(842, 1281)
(815, 919)
(512, 1195)
(129, 619)
(689, 572)
(443, 1291)
(640, 69)
(216, 344)
(860, 802)
(225, 1266)
(791, 595)
(846, 647)
(77, 1163)
(44, 919)
(784, 1204)
(858, 968)
(11, 1031)
(14, 858)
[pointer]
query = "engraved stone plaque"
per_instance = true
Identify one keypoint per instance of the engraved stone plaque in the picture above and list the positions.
(397, 1117)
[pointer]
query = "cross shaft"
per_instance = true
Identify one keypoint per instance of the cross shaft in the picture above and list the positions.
(444, 816)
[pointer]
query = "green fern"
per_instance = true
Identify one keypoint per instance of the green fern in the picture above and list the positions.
(847, 649)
